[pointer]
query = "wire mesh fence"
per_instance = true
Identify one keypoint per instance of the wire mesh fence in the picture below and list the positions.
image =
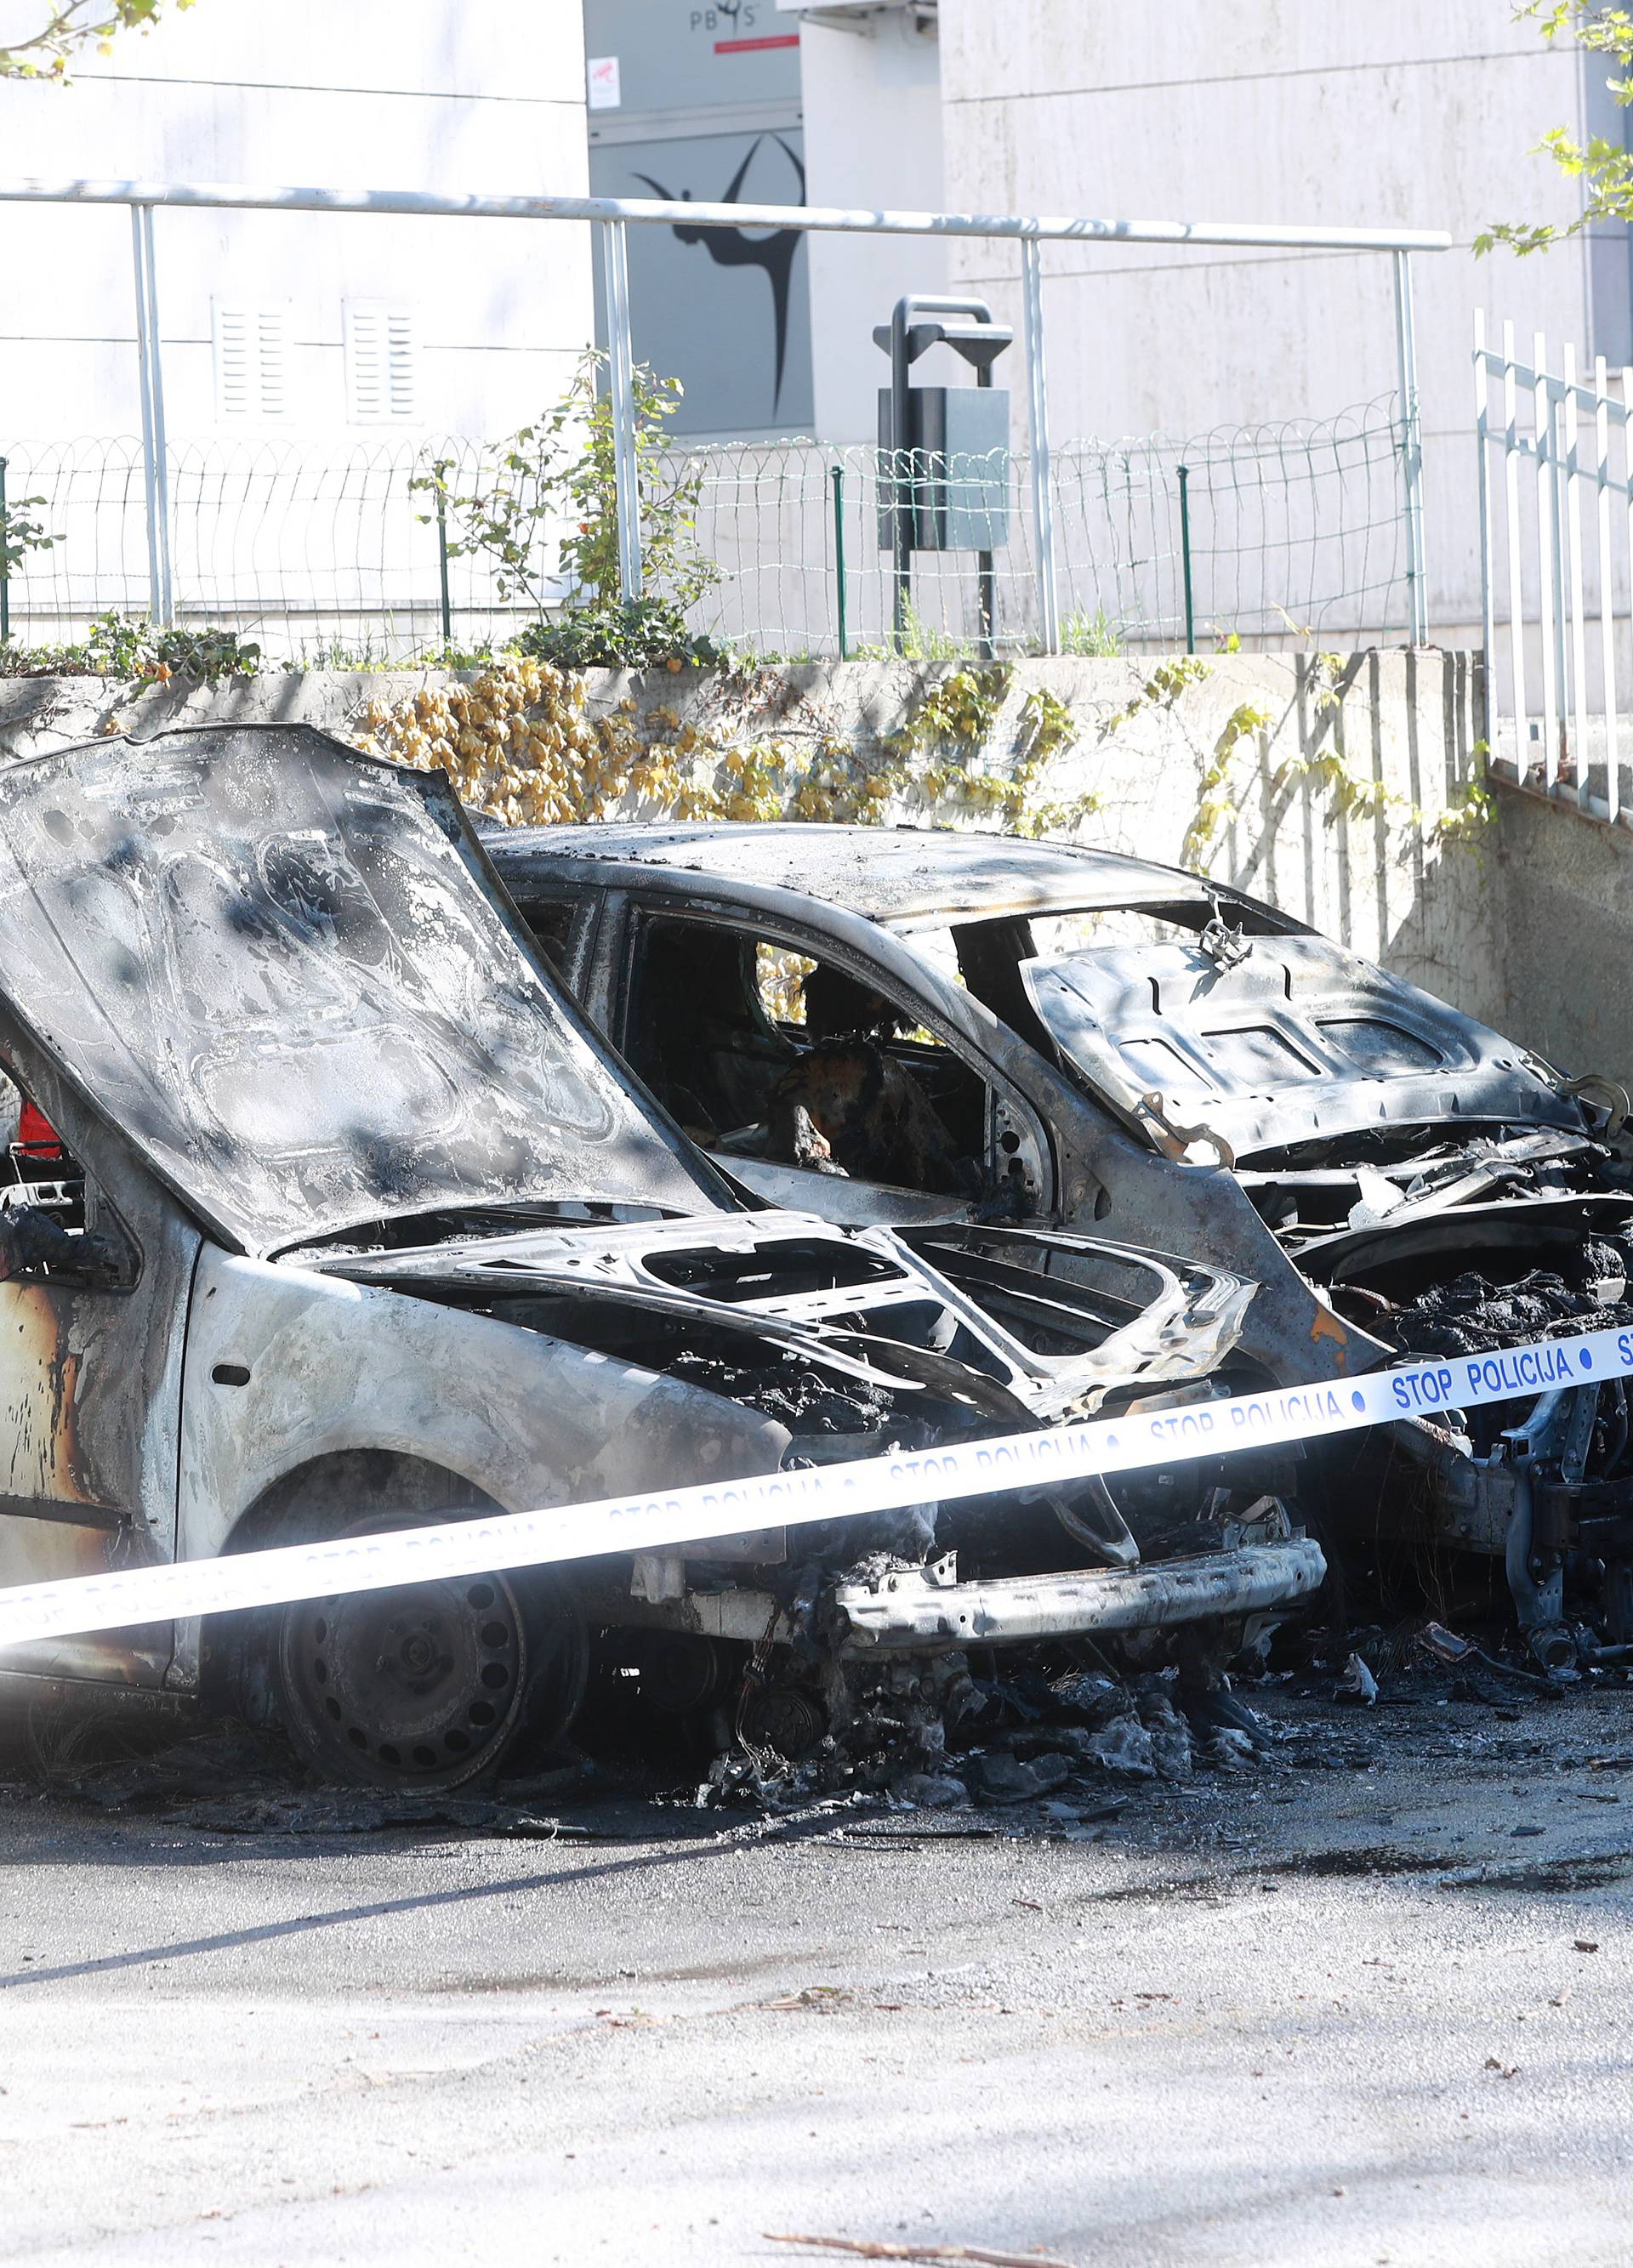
(1275, 535)
(318, 553)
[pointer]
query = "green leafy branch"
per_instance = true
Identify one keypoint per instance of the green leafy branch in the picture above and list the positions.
(20, 533)
(957, 717)
(73, 26)
(1162, 688)
(1604, 168)
(555, 484)
(1354, 795)
(1215, 809)
(1461, 824)
(960, 708)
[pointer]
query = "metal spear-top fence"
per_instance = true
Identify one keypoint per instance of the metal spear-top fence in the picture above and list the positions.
(1556, 570)
(1049, 593)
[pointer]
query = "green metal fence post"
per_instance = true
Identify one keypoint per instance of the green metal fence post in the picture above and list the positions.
(839, 553)
(1184, 557)
(5, 580)
(442, 563)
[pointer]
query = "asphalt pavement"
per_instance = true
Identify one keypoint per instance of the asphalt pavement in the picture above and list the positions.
(1366, 2003)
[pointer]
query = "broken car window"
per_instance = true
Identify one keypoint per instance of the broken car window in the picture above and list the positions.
(45, 1231)
(762, 1051)
(1110, 926)
(551, 927)
(780, 975)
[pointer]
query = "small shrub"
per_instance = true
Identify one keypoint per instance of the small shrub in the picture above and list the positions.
(650, 634)
(130, 646)
(1095, 634)
(555, 484)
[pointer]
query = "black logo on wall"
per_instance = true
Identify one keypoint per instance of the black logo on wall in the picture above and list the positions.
(734, 248)
(724, 15)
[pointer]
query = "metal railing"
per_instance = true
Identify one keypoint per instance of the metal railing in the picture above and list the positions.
(613, 216)
(1556, 569)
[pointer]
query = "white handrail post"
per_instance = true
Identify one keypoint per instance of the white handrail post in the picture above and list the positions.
(1037, 402)
(1570, 413)
(621, 378)
(151, 376)
(1411, 451)
(1550, 582)
(1606, 596)
(1624, 502)
(1482, 433)
(1515, 579)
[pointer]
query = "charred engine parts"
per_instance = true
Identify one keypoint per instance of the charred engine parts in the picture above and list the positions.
(1545, 1482)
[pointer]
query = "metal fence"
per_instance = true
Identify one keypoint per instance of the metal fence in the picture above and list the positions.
(1274, 534)
(1556, 570)
(315, 552)
(181, 532)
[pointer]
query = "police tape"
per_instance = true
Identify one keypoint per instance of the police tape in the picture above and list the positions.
(704, 1511)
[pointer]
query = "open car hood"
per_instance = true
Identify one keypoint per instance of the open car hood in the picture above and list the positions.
(285, 972)
(1294, 1041)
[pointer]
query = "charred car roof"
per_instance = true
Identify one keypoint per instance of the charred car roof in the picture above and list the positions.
(895, 876)
(285, 972)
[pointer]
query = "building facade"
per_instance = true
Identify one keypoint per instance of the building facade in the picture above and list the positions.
(1304, 112)
(302, 325)
(1299, 111)
(337, 333)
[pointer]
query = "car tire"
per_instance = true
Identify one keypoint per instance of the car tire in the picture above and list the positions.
(426, 1686)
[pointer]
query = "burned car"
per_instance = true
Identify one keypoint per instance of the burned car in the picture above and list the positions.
(917, 1025)
(325, 1210)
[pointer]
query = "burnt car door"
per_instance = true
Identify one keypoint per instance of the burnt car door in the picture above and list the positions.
(96, 1263)
(812, 1076)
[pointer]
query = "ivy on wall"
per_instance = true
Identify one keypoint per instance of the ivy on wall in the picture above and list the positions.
(1346, 792)
(518, 742)
(521, 742)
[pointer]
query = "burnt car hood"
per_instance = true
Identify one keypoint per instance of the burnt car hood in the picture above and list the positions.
(1270, 1041)
(285, 972)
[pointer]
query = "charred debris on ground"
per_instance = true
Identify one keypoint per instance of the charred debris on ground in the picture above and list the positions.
(930, 1749)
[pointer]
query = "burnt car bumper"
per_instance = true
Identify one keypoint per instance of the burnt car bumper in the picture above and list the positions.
(927, 1610)
(920, 1609)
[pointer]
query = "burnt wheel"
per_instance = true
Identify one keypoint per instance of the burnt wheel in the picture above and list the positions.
(420, 1687)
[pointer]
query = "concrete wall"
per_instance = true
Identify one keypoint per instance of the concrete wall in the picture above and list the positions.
(435, 96)
(1144, 747)
(1565, 886)
(1527, 925)
(1299, 111)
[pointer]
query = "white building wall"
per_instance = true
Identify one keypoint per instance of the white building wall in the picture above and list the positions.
(873, 138)
(1301, 111)
(435, 96)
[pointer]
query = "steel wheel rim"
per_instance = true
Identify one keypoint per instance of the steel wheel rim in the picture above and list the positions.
(419, 1687)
